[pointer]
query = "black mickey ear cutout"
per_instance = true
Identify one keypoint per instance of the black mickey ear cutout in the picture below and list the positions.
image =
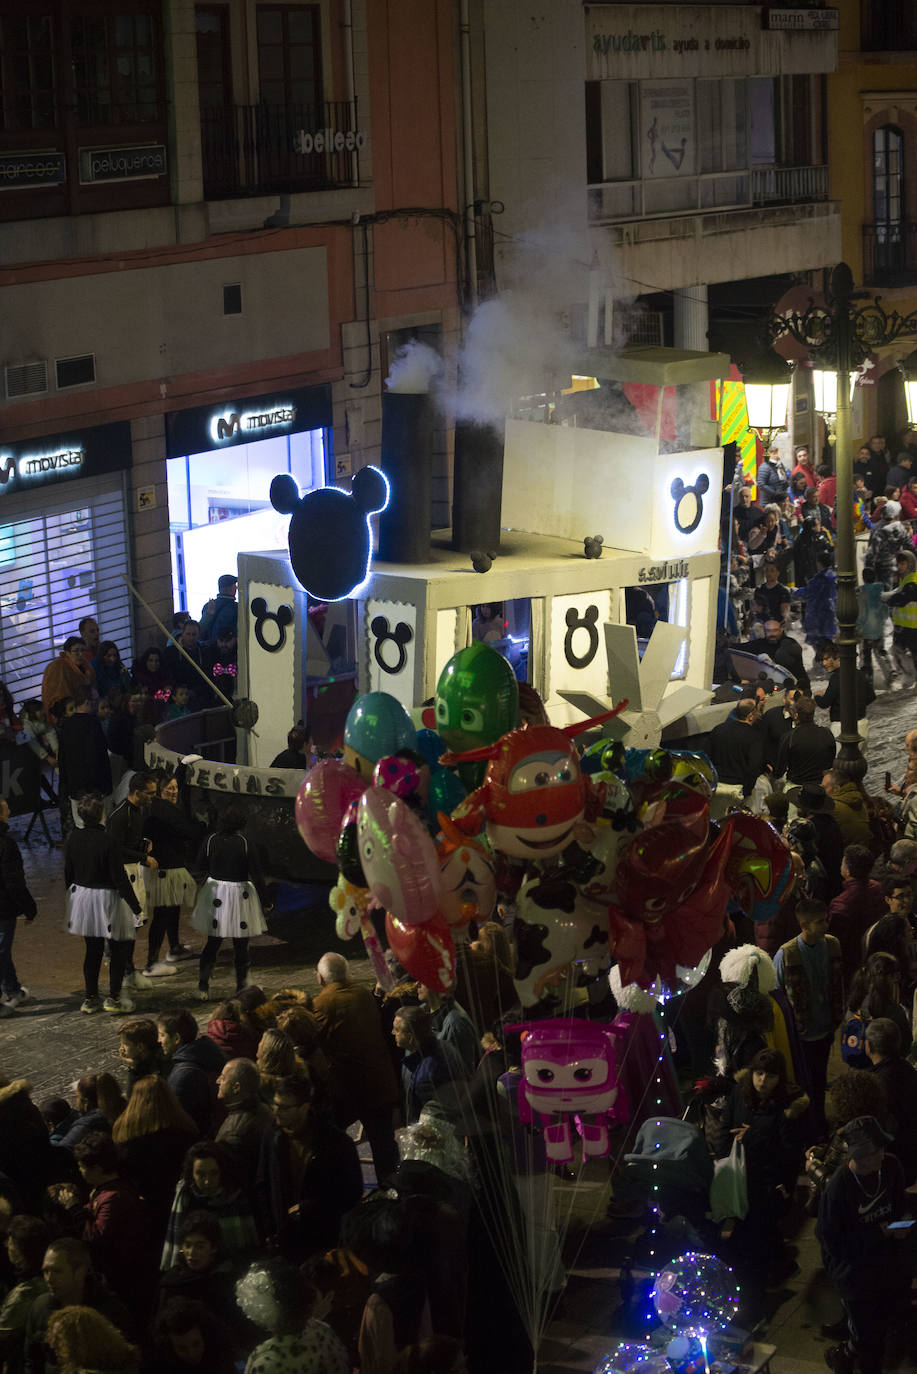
(282, 618)
(677, 489)
(702, 484)
(259, 608)
(284, 494)
(369, 490)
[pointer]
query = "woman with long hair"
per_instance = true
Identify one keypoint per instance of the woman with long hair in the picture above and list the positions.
(100, 1102)
(208, 1184)
(170, 887)
(111, 674)
(101, 904)
(85, 1342)
(763, 1112)
(229, 904)
(155, 1133)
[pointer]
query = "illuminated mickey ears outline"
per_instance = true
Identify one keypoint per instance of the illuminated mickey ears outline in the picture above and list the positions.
(490, 751)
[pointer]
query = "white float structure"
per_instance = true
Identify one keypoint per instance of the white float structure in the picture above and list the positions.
(658, 513)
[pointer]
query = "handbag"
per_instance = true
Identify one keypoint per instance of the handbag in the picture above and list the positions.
(729, 1187)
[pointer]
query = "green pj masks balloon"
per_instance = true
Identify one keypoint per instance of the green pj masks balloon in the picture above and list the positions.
(477, 701)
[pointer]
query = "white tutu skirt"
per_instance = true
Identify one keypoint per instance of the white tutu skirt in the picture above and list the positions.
(231, 911)
(169, 887)
(99, 911)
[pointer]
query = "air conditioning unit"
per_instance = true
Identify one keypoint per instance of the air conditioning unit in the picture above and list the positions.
(25, 379)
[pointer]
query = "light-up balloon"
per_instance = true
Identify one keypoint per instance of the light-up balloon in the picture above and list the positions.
(634, 1359)
(695, 1295)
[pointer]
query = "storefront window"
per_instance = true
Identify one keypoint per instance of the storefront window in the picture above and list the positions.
(219, 506)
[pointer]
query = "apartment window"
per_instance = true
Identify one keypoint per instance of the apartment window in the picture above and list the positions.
(888, 176)
(117, 68)
(888, 26)
(611, 127)
(722, 126)
(27, 72)
(289, 55)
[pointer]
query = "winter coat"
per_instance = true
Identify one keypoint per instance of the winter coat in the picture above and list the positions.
(872, 616)
(819, 618)
(899, 1079)
(173, 837)
(14, 1315)
(15, 897)
(331, 1184)
(242, 1131)
(859, 1258)
(885, 543)
(27, 1156)
(236, 1040)
(350, 1031)
(62, 679)
(852, 815)
(82, 759)
(231, 1209)
(117, 1232)
(85, 1124)
(220, 613)
(773, 1142)
(155, 1162)
(193, 1070)
(858, 905)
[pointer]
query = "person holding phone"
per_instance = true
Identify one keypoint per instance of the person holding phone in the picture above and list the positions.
(863, 1256)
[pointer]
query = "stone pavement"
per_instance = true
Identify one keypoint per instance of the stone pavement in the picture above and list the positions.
(51, 1044)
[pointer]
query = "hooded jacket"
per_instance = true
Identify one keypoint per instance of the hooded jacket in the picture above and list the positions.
(192, 1072)
(851, 814)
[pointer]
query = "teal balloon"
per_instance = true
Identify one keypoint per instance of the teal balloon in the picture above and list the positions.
(446, 791)
(378, 725)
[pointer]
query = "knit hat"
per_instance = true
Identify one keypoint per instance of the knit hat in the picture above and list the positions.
(863, 1136)
(891, 510)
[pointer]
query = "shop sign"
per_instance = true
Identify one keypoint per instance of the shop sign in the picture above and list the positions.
(247, 420)
(665, 572)
(328, 141)
(227, 777)
(121, 164)
(251, 423)
(87, 453)
(630, 42)
(18, 171)
(800, 21)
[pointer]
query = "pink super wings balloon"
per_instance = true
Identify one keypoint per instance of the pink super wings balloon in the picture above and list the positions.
(397, 857)
(570, 1068)
(427, 952)
(324, 795)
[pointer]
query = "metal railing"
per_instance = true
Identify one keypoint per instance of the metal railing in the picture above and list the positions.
(668, 196)
(890, 254)
(251, 150)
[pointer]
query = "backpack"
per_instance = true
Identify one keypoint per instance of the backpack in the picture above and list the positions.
(853, 1040)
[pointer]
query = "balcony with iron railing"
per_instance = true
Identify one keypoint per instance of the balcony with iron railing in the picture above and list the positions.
(747, 188)
(253, 150)
(890, 254)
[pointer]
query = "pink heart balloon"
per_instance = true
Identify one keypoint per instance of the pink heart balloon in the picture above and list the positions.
(427, 951)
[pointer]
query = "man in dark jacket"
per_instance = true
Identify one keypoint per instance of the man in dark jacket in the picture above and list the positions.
(772, 479)
(15, 900)
(813, 804)
(807, 752)
(830, 699)
(737, 753)
(82, 756)
(309, 1175)
(222, 612)
(193, 1063)
(785, 651)
(117, 1226)
(866, 1262)
(71, 1283)
(899, 1078)
(247, 1118)
(430, 1067)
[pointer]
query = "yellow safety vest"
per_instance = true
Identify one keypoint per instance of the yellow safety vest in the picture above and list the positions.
(906, 616)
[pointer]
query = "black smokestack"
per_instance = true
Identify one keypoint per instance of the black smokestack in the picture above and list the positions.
(407, 461)
(477, 487)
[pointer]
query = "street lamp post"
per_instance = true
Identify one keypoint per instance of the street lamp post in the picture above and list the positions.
(843, 332)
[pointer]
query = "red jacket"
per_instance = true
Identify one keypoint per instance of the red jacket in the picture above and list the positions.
(855, 908)
(908, 504)
(808, 472)
(118, 1232)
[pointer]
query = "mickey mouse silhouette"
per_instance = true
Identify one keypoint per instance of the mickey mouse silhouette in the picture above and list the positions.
(588, 623)
(689, 503)
(282, 617)
(330, 539)
(400, 636)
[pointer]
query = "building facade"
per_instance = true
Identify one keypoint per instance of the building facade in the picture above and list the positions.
(218, 222)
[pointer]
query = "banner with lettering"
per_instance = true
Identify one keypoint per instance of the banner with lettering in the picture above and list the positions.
(20, 778)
